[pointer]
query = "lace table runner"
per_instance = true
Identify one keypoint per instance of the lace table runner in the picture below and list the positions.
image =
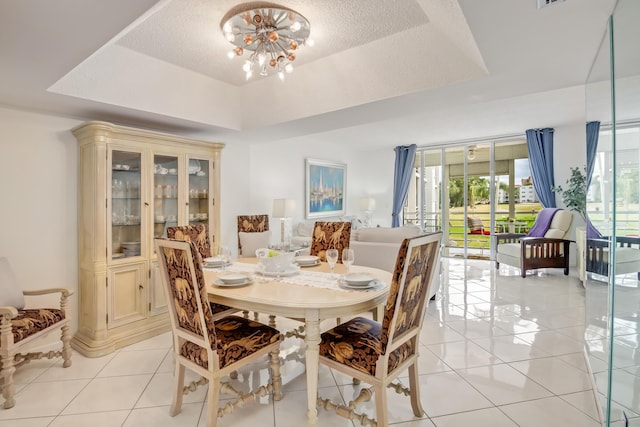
(316, 279)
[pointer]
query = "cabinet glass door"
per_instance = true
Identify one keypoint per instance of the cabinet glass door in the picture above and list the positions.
(198, 191)
(165, 194)
(126, 232)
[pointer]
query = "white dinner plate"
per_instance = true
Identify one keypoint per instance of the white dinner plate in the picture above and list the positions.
(358, 279)
(372, 284)
(307, 259)
(214, 260)
(313, 264)
(231, 278)
(246, 281)
(215, 264)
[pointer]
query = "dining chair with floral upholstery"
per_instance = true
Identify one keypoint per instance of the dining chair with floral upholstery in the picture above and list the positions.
(21, 328)
(198, 234)
(211, 348)
(377, 353)
(330, 235)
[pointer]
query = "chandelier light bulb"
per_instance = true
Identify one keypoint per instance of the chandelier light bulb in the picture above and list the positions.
(309, 42)
(270, 32)
(231, 54)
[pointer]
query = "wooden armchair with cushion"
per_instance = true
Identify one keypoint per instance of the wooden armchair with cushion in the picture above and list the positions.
(597, 256)
(545, 246)
(378, 353)
(475, 226)
(209, 347)
(22, 327)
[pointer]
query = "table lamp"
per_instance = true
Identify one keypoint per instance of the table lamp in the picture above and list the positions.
(283, 209)
(368, 205)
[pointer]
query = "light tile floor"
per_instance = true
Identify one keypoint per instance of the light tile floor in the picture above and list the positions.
(496, 350)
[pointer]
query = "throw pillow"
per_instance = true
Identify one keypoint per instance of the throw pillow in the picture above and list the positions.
(10, 292)
(250, 242)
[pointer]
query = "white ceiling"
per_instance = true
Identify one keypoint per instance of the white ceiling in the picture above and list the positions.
(381, 72)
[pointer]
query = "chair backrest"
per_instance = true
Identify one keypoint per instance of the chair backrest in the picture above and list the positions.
(413, 275)
(186, 294)
(560, 225)
(197, 234)
(474, 223)
(330, 235)
(252, 224)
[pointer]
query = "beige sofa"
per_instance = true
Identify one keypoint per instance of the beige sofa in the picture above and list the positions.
(378, 247)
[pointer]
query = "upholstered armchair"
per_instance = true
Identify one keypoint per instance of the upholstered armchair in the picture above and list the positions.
(208, 347)
(21, 328)
(253, 233)
(551, 250)
(377, 353)
(327, 235)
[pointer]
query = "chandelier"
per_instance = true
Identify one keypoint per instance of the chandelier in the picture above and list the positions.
(270, 32)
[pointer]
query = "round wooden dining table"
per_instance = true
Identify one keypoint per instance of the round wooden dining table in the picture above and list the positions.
(276, 296)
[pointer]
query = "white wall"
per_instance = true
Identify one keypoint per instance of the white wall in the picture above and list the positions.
(278, 172)
(38, 192)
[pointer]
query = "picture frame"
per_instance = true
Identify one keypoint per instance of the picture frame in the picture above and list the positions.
(325, 188)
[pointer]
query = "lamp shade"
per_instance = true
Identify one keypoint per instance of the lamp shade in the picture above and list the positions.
(367, 204)
(283, 208)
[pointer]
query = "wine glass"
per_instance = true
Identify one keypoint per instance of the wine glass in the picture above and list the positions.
(348, 258)
(224, 253)
(332, 259)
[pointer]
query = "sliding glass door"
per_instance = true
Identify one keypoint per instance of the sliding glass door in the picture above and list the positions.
(470, 192)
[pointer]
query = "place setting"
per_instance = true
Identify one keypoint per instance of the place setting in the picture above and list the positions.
(307, 260)
(215, 262)
(359, 282)
(232, 279)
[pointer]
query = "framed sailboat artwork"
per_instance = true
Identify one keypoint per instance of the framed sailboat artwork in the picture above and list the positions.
(325, 188)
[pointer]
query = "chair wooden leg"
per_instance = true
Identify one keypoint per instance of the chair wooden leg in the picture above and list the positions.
(414, 386)
(276, 378)
(382, 416)
(213, 396)
(176, 405)
(8, 387)
(66, 346)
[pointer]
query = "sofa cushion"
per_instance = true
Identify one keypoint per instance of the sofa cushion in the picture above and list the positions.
(385, 234)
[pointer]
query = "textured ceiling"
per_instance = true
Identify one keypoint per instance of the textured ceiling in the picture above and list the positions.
(187, 33)
(381, 72)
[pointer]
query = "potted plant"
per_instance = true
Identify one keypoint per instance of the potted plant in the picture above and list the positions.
(574, 196)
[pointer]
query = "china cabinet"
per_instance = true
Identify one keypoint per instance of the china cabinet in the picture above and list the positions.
(133, 184)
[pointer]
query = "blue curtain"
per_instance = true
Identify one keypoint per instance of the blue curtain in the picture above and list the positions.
(593, 130)
(405, 157)
(540, 146)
